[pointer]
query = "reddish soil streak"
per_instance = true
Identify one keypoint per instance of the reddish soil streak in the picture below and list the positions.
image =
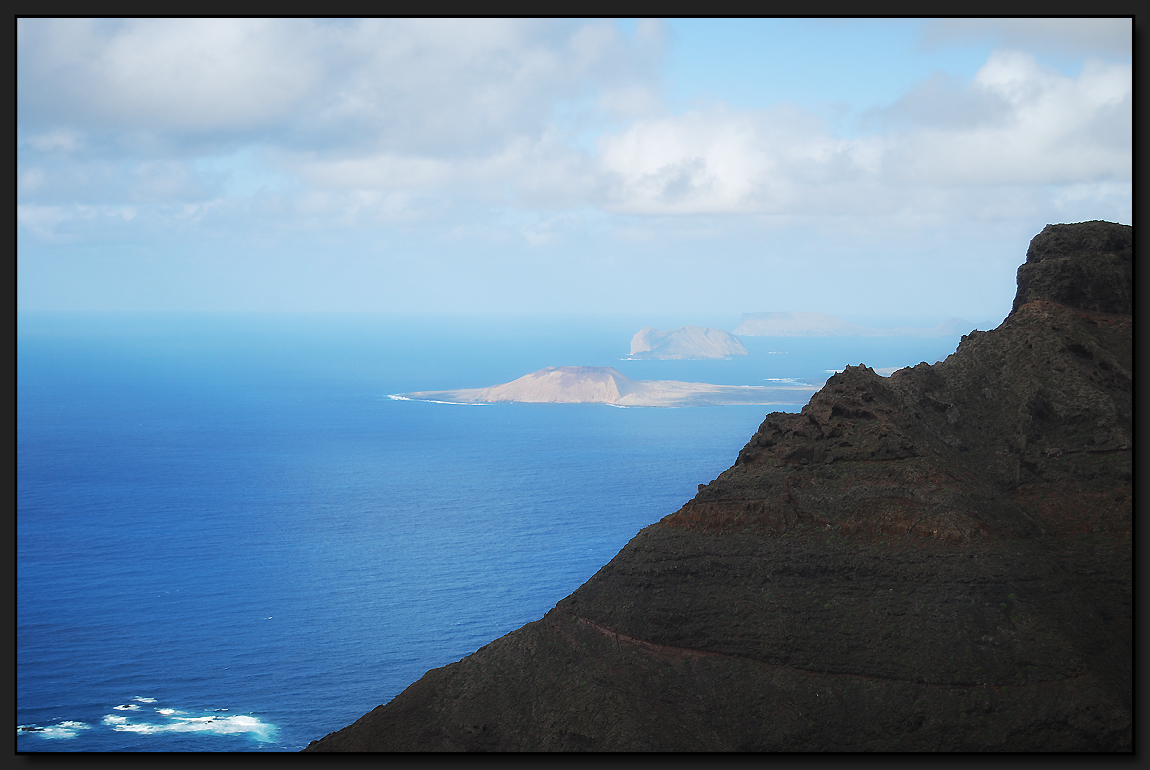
(674, 653)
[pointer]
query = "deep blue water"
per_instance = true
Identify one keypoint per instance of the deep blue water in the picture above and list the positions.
(227, 512)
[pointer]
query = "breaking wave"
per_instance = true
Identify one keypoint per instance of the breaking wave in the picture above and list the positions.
(66, 729)
(227, 725)
(165, 720)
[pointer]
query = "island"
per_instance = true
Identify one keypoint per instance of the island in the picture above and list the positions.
(810, 324)
(607, 385)
(686, 342)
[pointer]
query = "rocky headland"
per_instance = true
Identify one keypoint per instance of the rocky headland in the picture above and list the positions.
(607, 385)
(810, 324)
(935, 561)
(686, 342)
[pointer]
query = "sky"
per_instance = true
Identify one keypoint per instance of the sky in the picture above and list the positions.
(882, 170)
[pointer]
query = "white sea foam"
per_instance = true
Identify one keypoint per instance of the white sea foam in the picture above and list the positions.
(66, 729)
(168, 712)
(127, 707)
(229, 725)
(142, 699)
(398, 397)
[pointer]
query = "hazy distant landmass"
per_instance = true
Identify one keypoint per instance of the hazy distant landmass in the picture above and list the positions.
(606, 385)
(686, 342)
(809, 324)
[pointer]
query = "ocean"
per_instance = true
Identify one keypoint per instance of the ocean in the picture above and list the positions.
(229, 538)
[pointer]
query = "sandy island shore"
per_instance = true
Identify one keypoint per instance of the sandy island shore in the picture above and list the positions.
(606, 385)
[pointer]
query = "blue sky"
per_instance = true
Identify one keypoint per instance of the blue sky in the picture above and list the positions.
(875, 169)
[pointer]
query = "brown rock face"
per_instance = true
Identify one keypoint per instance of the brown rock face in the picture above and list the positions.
(1085, 266)
(939, 560)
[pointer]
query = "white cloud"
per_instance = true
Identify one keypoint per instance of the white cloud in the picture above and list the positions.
(1081, 36)
(1044, 128)
(454, 86)
(46, 220)
(403, 120)
(390, 106)
(29, 180)
(173, 75)
(378, 172)
(719, 161)
(97, 181)
(61, 141)
(41, 220)
(1015, 124)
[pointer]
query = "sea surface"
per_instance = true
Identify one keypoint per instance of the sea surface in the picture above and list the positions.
(229, 538)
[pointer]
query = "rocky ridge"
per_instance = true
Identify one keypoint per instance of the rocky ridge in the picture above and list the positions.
(938, 561)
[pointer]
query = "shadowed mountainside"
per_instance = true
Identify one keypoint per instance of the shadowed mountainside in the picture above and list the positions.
(940, 560)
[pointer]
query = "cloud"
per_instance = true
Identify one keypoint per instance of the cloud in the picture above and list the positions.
(41, 220)
(1016, 123)
(1023, 125)
(45, 221)
(97, 181)
(406, 86)
(724, 161)
(1073, 36)
(389, 121)
(480, 108)
(60, 141)
(184, 76)
(378, 172)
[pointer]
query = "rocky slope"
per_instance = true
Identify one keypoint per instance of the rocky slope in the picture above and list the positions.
(607, 385)
(686, 342)
(940, 560)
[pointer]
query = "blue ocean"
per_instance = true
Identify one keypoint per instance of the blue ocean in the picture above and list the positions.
(229, 538)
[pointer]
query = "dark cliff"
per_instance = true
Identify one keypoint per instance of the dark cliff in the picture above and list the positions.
(940, 560)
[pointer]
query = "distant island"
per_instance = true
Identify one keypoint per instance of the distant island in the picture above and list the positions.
(606, 385)
(809, 324)
(686, 342)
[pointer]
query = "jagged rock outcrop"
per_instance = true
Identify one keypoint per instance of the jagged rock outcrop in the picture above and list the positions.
(940, 560)
(1086, 265)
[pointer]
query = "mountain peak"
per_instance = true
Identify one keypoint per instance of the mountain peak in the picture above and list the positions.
(1087, 266)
